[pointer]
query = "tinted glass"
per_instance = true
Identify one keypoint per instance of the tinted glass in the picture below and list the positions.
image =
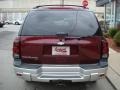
(74, 23)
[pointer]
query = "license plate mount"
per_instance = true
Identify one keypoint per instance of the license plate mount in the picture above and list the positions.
(60, 50)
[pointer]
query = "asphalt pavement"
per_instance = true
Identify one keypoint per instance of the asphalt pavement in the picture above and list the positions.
(9, 81)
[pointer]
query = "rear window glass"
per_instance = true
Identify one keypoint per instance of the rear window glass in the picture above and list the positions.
(74, 23)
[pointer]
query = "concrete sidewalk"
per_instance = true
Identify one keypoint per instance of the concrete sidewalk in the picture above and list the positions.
(113, 73)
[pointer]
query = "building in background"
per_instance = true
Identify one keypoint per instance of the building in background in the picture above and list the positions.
(12, 10)
(112, 11)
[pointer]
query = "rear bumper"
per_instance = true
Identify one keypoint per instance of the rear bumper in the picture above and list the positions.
(46, 73)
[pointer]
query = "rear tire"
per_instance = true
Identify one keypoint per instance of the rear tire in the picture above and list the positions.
(28, 81)
(1, 26)
(93, 82)
(17, 23)
(7, 23)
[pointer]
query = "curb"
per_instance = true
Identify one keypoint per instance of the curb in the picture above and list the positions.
(111, 83)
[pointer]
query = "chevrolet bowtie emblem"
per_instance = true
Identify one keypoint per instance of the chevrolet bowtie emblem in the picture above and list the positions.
(60, 43)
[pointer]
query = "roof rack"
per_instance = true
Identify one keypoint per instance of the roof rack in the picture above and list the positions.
(57, 5)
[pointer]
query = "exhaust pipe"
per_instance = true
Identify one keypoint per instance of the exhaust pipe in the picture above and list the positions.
(60, 83)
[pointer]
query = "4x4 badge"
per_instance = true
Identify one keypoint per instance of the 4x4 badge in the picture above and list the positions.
(61, 43)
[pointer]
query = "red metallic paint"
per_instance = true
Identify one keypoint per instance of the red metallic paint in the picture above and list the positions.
(38, 50)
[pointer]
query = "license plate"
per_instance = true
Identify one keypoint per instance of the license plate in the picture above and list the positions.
(60, 50)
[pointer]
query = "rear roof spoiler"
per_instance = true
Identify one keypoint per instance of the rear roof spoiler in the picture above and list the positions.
(59, 5)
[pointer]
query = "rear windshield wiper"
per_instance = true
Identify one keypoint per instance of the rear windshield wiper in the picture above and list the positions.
(62, 34)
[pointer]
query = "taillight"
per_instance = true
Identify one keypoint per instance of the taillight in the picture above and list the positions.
(16, 48)
(105, 49)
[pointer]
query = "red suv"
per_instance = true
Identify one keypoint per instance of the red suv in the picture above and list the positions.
(60, 43)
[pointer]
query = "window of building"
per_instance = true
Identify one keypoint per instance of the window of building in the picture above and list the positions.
(108, 13)
(118, 12)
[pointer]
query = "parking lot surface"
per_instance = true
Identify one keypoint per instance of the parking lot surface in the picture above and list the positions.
(9, 81)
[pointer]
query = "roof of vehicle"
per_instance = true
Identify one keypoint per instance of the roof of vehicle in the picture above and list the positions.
(61, 7)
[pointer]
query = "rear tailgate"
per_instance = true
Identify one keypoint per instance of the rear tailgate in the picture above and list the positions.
(45, 50)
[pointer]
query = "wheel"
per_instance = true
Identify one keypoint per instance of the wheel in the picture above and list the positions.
(1, 25)
(16, 23)
(28, 81)
(93, 81)
(6, 23)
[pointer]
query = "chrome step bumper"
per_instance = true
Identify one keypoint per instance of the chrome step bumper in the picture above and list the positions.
(46, 73)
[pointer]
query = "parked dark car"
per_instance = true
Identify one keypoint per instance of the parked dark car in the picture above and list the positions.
(8, 22)
(60, 43)
(1, 24)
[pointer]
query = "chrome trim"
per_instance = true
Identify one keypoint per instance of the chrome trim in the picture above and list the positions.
(61, 43)
(74, 73)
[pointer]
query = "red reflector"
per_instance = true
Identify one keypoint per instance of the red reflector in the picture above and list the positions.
(15, 50)
(105, 49)
(16, 46)
(105, 46)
